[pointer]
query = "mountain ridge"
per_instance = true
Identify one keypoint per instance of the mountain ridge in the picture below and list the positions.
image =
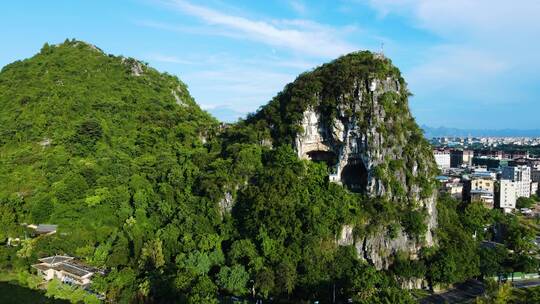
(120, 156)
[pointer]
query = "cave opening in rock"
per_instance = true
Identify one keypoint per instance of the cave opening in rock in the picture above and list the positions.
(328, 157)
(354, 176)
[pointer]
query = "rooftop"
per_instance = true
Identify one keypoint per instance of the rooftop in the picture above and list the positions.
(55, 259)
(74, 269)
(481, 175)
(482, 192)
(67, 265)
(41, 267)
(46, 228)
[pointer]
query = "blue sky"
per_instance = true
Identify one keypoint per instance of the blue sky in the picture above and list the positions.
(469, 64)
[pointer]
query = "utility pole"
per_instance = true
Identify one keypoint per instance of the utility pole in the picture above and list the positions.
(334, 294)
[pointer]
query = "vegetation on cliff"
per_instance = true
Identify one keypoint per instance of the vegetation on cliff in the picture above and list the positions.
(122, 159)
(342, 92)
(146, 185)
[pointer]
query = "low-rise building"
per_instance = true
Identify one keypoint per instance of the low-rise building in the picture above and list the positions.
(484, 172)
(489, 162)
(486, 197)
(66, 269)
(489, 154)
(517, 154)
(455, 190)
(483, 182)
(461, 158)
(47, 229)
(479, 186)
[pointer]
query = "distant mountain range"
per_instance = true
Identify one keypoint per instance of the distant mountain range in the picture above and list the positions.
(444, 131)
(226, 114)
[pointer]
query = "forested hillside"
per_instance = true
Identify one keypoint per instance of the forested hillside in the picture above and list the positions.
(177, 208)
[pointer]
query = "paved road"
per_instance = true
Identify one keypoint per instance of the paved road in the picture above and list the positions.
(470, 290)
(463, 292)
(527, 283)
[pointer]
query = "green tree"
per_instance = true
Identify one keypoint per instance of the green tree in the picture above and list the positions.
(152, 255)
(476, 217)
(7, 222)
(492, 260)
(496, 294)
(203, 291)
(265, 282)
(285, 277)
(525, 202)
(414, 222)
(233, 279)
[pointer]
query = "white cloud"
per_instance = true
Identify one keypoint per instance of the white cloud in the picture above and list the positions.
(484, 19)
(184, 29)
(226, 61)
(298, 6)
(484, 59)
(479, 43)
(456, 70)
(480, 40)
(304, 37)
(221, 80)
(229, 82)
(385, 7)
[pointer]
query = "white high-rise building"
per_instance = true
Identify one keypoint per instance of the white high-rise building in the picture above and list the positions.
(534, 188)
(442, 158)
(521, 175)
(535, 175)
(507, 195)
(468, 157)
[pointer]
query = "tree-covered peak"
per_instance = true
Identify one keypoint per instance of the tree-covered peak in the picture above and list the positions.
(352, 115)
(73, 43)
(66, 83)
(75, 102)
(358, 64)
(334, 90)
(123, 160)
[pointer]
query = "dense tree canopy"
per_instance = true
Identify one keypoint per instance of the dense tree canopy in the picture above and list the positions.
(143, 183)
(136, 177)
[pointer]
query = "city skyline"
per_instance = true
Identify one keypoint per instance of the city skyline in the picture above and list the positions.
(469, 65)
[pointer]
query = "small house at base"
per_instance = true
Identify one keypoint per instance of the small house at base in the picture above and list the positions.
(43, 229)
(66, 269)
(46, 229)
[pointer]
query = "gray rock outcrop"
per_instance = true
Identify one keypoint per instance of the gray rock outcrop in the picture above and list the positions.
(368, 148)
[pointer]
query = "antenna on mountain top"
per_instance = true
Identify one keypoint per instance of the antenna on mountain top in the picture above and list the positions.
(380, 55)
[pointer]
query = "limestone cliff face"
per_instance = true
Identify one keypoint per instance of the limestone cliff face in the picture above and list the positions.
(353, 114)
